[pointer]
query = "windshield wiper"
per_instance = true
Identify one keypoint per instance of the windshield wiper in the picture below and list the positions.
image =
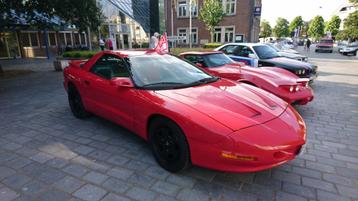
(204, 81)
(162, 83)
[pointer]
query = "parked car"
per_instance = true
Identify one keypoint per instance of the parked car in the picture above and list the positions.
(281, 83)
(261, 55)
(289, 54)
(324, 45)
(350, 49)
(187, 115)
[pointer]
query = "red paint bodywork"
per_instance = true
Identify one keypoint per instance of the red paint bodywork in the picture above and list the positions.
(219, 117)
(270, 79)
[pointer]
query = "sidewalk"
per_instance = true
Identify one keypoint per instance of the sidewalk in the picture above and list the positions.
(28, 64)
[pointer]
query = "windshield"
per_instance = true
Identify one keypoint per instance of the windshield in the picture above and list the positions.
(326, 41)
(157, 72)
(273, 46)
(213, 60)
(265, 52)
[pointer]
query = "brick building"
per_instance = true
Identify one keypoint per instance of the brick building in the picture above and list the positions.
(238, 25)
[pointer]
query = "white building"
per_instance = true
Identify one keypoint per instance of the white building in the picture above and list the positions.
(344, 10)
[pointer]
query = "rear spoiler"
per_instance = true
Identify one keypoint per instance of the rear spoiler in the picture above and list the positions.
(77, 63)
(302, 80)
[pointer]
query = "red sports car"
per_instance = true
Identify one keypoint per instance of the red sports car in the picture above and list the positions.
(280, 82)
(187, 115)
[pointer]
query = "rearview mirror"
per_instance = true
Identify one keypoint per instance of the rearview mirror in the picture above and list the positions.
(122, 82)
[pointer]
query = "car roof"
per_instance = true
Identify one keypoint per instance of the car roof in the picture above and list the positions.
(245, 44)
(126, 53)
(201, 53)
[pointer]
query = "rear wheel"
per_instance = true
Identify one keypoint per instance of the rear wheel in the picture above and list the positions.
(75, 101)
(169, 145)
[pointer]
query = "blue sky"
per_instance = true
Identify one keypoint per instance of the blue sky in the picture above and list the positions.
(272, 9)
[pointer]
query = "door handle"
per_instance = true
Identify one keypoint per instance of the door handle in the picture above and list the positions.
(87, 82)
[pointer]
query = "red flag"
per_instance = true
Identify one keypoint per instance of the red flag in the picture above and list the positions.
(162, 46)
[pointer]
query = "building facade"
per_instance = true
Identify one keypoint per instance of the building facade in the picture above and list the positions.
(238, 25)
(343, 11)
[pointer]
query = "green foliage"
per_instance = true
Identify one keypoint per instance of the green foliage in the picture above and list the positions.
(316, 28)
(333, 25)
(265, 29)
(82, 13)
(296, 23)
(212, 45)
(350, 25)
(211, 14)
(79, 54)
(281, 28)
(355, 2)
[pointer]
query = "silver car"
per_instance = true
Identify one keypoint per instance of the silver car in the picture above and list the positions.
(289, 54)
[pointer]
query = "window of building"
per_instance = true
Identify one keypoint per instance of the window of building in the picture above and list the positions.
(25, 40)
(224, 34)
(52, 39)
(183, 9)
(229, 7)
(62, 41)
(34, 39)
(68, 39)
(76, 38)
(83, 39)
(184, 32)
(217, 35)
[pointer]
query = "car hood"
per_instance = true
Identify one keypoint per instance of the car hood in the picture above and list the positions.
(232, 104)
(271, 75)
(290, 55)
(289, 63)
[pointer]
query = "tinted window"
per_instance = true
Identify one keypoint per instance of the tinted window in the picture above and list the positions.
(153, 71)
(110, 66)
(229, 49)
(244, 51)
(213, 60)
(195, 59)
(326, 41)
(265, 52)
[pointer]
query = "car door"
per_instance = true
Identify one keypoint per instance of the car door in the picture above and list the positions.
(107, 99)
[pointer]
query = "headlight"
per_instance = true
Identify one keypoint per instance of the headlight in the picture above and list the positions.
(297, 88)
(291, 88)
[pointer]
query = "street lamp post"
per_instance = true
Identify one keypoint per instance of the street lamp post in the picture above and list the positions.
(190, 22)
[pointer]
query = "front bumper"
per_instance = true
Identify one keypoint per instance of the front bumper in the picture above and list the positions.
(270, 144)
(301, 97)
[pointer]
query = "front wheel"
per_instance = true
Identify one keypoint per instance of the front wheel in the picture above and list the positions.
(75, 101)
(169, 145)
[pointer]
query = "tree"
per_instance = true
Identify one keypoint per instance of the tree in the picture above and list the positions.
(281, 28)
(355, 2)
(333, 25)
(350, 26)
(304, 30)
(265, 29)
(316, 28)
(81, 13)
(296, 23)
(211, 14)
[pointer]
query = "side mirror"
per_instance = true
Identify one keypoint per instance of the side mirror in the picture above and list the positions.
(122, 82)
(200, 65)
(252, 56)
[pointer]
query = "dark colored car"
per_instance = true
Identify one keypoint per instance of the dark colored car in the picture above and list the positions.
(261, 55)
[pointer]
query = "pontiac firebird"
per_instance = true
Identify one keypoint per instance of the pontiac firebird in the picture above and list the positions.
(186, 115)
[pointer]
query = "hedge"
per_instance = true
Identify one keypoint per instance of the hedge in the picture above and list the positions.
(212, 45)
(79, 54)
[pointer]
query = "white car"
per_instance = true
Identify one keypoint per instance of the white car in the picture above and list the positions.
(350, 49)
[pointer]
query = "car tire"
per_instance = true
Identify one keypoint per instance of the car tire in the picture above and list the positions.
(316, 50)
(169, 145)
(75, 102)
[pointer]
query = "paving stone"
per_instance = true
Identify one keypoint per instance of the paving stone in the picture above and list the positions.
(136, 165)
(95, 177)
(7, 194)
(348, 191)
(53, 195)
(181, 180)
(338, 179)
(41, 157)
(141, 194)
(120, 173)
(286, 176)
(165, 188)
(116, 185)
(84, 150)
(57, 163)
(327, 196)
(100, 155)
(33, 187)
(193, 195)
(69, 184)
(16, 181)
(18, 162)
(299, 190)
(90, 193)
(5, 172)
(114, 197)
(75, 170)
(118, 160)
(282, 196)
(51, 175)
(315, 183)
(141, 180)
(157, 172)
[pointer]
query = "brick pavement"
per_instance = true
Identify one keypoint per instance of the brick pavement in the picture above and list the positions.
(47, 155)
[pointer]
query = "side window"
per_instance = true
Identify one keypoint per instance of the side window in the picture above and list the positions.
(110, 66)
(244, 51)
(229, 49)
(195, 59)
